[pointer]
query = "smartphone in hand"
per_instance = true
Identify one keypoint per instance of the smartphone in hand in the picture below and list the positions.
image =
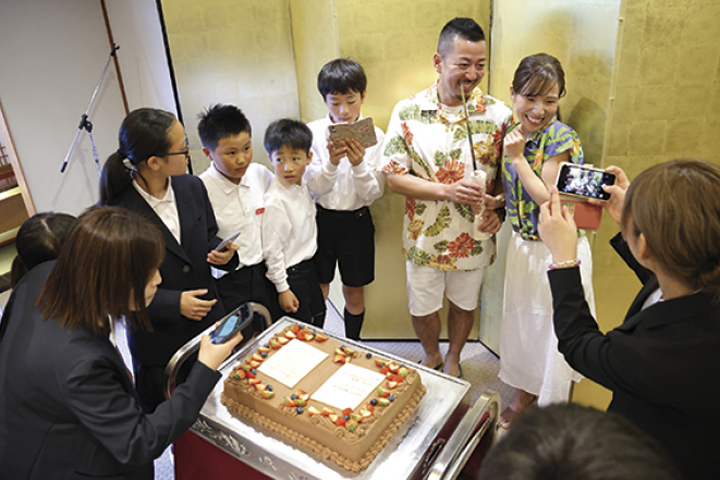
(227, 241)
(232, 324)
(583, 181)
(362, 131)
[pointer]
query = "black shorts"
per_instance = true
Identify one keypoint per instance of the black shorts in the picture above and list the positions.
(346, 238)
(304, 283)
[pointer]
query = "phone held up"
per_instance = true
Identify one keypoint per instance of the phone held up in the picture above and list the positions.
(578, 183)
(234, 322)
(363, 131)
(583, 182)
(227, 241)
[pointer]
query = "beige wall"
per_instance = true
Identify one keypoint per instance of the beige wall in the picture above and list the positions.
(315, 42)
(239, 52)
(667, 105)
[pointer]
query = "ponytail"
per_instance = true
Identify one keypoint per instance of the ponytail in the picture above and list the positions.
(114, 179)
(143, 134)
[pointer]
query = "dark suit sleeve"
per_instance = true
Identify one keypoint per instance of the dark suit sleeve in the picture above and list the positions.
(213, 239)
(95, 394)
(165, 307)
(621, 247)
(595, 355)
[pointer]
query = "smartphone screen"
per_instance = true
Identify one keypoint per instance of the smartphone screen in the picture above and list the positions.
(233, 323)
(225, 330)
(584, 181)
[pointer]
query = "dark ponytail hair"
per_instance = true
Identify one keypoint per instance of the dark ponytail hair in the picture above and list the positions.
(38, 240)
(143, 134)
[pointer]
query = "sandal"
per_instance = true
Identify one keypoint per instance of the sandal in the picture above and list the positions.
(439, 367)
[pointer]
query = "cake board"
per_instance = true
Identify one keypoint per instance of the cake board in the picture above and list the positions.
(246, 450)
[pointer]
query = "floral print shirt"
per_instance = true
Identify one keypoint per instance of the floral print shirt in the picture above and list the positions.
(429, 140)
(555, 139)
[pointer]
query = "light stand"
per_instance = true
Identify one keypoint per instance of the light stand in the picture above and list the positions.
(85, 123)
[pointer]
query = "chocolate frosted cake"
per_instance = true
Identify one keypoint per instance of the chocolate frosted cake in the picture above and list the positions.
(323, 396)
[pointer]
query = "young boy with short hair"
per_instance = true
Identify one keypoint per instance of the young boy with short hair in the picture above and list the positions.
(289, 233)
(344, 177)
(236, 187)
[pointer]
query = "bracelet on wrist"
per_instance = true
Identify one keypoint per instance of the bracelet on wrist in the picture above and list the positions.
(565, 264)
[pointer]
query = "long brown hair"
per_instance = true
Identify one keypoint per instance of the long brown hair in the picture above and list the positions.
(676, 205)
(102, 270)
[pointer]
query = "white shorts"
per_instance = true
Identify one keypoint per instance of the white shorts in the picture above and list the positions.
(426, 287)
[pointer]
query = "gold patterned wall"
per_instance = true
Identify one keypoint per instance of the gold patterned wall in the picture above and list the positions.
(232, 51)
(666, 105)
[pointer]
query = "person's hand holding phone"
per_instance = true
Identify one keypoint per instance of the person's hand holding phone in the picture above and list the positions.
(337, 151)
(617, 194)
(557, 228)
(355, 152)
(222, 257)
(213, 355)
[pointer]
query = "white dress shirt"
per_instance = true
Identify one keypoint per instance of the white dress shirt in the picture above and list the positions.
(289, 232)
(165, 208)
(239, 208)
(342, 186)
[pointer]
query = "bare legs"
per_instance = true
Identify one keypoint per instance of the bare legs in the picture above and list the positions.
(427, 329)
(520, 402)
(354, 299)
(460, 323)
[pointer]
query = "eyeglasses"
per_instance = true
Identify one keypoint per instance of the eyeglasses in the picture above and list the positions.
(186, 153)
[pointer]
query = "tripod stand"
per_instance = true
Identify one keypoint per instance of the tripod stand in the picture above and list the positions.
(85, 123)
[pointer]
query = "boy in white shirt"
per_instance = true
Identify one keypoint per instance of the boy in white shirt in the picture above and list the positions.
(344, 177)
(236, 187)
(289, 233)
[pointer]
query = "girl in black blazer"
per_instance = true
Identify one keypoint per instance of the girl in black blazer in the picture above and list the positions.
(661, 362)
(68, 409)
(147, 175)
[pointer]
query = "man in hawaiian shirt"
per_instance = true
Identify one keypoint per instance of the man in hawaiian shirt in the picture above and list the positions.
(427, 157)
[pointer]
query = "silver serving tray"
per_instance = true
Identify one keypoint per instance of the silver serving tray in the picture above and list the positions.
(273, 455)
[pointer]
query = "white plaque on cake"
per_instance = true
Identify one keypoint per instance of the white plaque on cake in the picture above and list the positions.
(292, 362)
(348, 387)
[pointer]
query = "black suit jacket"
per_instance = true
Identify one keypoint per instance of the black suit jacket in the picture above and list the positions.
(68, 409)
(660, 363)
(185, 267)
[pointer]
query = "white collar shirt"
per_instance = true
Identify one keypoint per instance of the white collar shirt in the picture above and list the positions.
(342, 186)
(239, 208)
(289, 232)
(165, 208)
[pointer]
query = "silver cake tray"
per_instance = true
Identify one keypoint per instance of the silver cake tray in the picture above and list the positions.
(275, 456)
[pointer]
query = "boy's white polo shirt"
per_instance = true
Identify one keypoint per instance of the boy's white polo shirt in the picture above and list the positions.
(239, 207)
(289, 230)
(343, 187)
